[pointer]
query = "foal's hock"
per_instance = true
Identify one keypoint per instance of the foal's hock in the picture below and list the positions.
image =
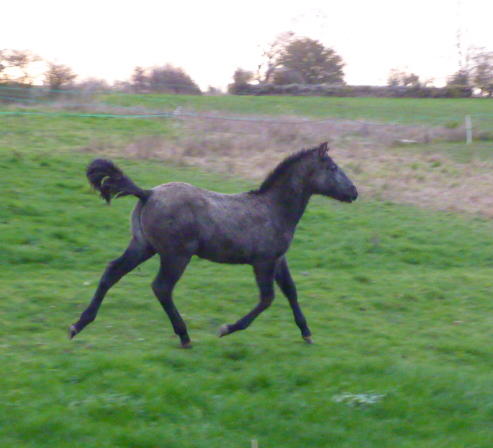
(178, 220)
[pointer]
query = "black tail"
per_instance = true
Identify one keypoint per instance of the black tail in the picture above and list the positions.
(110, 181)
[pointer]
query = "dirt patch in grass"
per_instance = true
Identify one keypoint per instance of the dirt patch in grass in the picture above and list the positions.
(367, 152)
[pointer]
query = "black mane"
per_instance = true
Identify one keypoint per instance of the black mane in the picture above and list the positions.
(280, 169)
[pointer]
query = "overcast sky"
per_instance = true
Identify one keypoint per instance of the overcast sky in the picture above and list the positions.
(210, 39)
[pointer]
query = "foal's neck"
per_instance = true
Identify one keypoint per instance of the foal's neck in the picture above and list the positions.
(289, 197)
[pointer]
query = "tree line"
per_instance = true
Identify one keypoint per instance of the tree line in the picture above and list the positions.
(290, 65)
(302, 66)
(23, 69)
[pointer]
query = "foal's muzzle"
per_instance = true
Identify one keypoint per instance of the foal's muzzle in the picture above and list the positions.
(351, 196)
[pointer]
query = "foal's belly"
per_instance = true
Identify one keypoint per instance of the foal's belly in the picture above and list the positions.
(222, 258)
(246, 250)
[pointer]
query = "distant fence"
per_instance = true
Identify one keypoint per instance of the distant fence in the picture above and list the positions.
(80, 103)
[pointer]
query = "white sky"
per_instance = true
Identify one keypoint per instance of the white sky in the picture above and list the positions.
(210, 39)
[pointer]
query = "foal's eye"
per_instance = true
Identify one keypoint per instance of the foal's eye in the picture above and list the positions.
(332, 167)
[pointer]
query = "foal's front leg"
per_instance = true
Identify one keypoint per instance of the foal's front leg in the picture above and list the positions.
(264, 274)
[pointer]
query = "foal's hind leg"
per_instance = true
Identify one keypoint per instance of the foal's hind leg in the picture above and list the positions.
(264, 274)
(136, 253)
(169, 273)
(286, 283)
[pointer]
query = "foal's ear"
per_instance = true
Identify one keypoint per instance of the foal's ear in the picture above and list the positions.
(323, 149)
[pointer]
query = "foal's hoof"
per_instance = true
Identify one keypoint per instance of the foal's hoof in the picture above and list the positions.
(72, 331)
(308, 339)
(186, 344)
(224, 330)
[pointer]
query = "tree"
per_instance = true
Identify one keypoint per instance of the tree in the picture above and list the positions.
(165, 79)
(241, 78)
(300, 60)
(314, 63)
(139, 80)
(93, 85)
(283, 76)
(403, 79)
(214, 91)
(461, 78)
(482, 71)
(16, 66)
(271, 57)
(58, 76)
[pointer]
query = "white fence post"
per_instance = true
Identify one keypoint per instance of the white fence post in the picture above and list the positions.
(468, 123)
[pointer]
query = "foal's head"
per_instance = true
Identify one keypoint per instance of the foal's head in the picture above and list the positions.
(326, 178)
(310, 171)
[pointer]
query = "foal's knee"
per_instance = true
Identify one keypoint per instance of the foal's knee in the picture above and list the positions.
(157, 287)
(161, 289)
(266, 300)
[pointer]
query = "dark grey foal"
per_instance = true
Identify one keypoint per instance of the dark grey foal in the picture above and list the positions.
(177, 220)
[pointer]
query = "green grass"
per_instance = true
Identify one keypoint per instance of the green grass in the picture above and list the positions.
(58, 130)
(431, 112)
(456, 151)
(398, 299)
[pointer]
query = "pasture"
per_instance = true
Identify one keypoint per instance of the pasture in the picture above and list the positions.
(407, 111)
(398, 299)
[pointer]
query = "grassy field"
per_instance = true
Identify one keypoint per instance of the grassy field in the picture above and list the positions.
(408, 111)
(398, 299)
(67, 130)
